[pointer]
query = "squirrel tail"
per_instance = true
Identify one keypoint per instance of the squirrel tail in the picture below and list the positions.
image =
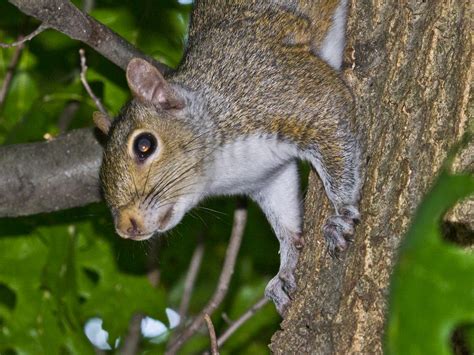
(331, 47)
(327, 19)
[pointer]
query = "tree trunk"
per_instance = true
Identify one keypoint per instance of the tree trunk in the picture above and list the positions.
(409, 67)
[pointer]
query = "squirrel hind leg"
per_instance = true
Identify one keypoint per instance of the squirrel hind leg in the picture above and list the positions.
(280, 200)
(342, 185)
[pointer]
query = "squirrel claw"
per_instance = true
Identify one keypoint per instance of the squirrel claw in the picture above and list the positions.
(339, 230)
(280, 289)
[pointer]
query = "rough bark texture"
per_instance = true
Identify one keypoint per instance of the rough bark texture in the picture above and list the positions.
(409, 66)
(54, 175)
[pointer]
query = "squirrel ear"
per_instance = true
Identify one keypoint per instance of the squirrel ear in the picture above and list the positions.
(102, 121)
(148, 85)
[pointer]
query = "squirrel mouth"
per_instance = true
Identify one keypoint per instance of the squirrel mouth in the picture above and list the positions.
(165, 218)
(142, 237)
(136, 236)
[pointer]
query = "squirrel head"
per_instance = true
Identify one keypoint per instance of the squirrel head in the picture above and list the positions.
(151, 171)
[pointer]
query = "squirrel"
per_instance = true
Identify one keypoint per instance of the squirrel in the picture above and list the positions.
(258, 88)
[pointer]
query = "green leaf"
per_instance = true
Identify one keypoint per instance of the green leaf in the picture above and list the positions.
(432, 288)
(61, 276)
(53, 40)
(118, 19)
(21, 96)
(112, 95)
(116, 296)
(43, 319)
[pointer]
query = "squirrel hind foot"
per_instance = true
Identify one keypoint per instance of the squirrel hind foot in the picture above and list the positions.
(350, 212)
(338, 230)
(280, 289)
(275, 292)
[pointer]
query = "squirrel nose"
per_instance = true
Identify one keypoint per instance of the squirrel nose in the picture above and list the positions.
(129, 224)
(133, 230)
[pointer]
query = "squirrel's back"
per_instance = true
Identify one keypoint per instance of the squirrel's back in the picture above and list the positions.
(322, 26)
(270, 41)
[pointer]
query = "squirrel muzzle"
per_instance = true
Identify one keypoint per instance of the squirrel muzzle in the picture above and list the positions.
(133, 223)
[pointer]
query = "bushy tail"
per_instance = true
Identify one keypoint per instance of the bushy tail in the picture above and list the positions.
(327, 20)
(331, 48)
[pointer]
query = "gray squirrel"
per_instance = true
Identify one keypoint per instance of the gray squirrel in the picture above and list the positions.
(257, 89)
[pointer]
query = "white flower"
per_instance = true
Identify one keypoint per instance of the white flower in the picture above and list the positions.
(173, 317)
(97, 336)
(152, 328)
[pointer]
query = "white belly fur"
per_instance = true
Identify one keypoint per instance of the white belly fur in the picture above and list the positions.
(246, 165)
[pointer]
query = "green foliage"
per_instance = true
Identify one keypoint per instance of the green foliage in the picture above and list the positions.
(59, 270)
(432, 289)
(61, 276)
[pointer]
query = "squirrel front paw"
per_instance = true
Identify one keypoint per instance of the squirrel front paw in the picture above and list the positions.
(339, 229)
(280, 289)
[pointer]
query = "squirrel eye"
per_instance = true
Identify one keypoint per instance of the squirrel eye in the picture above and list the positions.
(144, 145)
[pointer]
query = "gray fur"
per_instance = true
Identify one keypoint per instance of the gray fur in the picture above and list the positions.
(255, 102)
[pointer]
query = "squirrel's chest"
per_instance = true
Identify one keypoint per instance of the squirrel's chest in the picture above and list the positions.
(245, 165)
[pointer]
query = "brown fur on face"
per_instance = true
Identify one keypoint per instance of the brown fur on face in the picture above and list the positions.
(125, 180)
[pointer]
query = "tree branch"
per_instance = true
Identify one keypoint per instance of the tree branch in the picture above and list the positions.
(131, 342)
(98, 103)
(212, 335)
(191, 276)
(243, 318)
(24, 39)
(240, 220)
(64, 17)
(50, 176)
(10, 71)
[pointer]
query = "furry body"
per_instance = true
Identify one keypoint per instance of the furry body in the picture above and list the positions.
(250, 98)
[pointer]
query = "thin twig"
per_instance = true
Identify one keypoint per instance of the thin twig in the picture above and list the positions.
(191, 276)
(212, 335)
(226, 319)
(240, 220)
(10, 71)
(153, 271)
(22, 41)
(189, 282)
(86, 84)
(243, 318)
(238, 323)
(88, 5)
(131, 342)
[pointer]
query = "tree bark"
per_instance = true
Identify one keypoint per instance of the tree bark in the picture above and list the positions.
(409, 68)
(50, 176)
